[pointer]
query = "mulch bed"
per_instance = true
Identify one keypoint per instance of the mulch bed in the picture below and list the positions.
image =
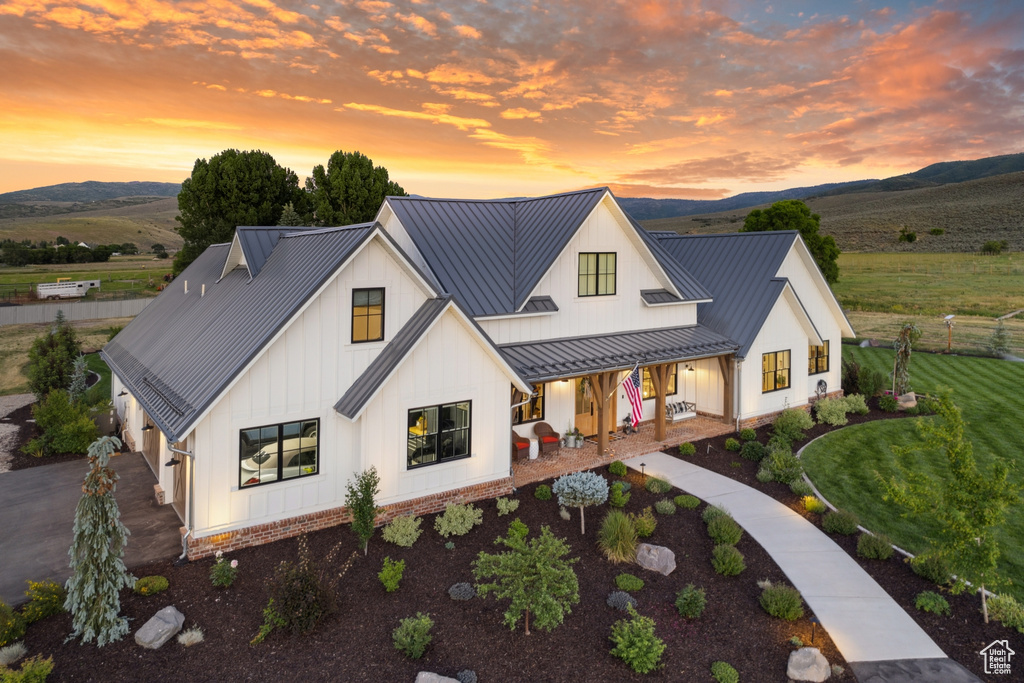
(26, 432)
(961, 636)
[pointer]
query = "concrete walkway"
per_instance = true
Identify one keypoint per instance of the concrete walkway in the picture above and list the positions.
(879, 640)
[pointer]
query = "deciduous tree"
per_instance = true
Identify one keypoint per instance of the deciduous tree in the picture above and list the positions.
(351, 189)
(360, 499)
(793, 214)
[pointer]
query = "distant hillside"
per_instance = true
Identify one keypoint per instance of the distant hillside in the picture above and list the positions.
(91, 191)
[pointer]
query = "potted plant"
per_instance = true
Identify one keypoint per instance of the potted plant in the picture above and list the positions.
(577, 438)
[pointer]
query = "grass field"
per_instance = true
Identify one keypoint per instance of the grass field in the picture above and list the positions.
(843, 464)
(140, 274)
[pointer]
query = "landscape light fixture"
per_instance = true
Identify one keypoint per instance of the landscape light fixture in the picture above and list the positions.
(949, 326)
(814, 626)
(642, 473)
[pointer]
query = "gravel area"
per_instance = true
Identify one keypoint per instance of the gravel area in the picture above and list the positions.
(9, 431)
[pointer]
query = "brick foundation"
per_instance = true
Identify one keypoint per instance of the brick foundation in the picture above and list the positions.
(295, 526)
(768, 418)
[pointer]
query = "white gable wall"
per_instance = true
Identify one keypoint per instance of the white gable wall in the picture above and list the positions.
(781, 331)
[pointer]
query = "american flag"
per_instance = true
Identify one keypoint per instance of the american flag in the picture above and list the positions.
(632, 386)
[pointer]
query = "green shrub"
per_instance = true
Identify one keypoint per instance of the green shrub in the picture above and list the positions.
(783, 466)
(778, 442)
(644, 523)
(33, 670)
(936, 231)
(223, 573)
(723, 672)
(1007, 611)
(732, 444)
(792, 423)
(831, 411)
(66, 425)
(994, 247)
(724, 529)
(747, 434)
(753, 451)
(150, 585)
(929, 601)
(691, 601)
(403, 531)
(781, 601)
(507, 506)
(888, 403)
(9, 654)
(764, 475)
(800, 488)
(712, 511)
(686, 501)
(840, 522)
(813, 504)
(856, 404)
(727, 561)
(628, 582)
(871, 382)
(665, 507)
(616, 498)
(303, 593)
(874, 547)
(907, 236)
(458, 519)
(931, 567)
(636, 644)
(391, 574)
(686, 448)
(45, 598)
(655, 485)
(412, 635)
(543, 492)
(617, 468)
(12, 624)
(618, 537)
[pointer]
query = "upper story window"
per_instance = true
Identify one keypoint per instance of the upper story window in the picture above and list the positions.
(278, 452)
(528, 412)
(648, 387)
(439, 433)
(817, 359)
(597, 274)
(367, 315)
(774, 371)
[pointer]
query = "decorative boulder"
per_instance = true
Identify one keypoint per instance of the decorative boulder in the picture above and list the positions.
(808, 664)
(657, 558)
(906, 401)
(429, 677)
(164, 625)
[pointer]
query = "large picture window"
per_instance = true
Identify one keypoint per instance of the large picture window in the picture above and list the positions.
(774, 371)
(367, 315)
(529, 412)
(278, 452)
(647, 391)
(439, 433)
(817, 359)
(597, 274)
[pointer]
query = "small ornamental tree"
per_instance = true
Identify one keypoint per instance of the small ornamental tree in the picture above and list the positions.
(534, 575)
(999, 343)
(908, 335)
(76, 390)
(969, 504)
(51, 360)
(98, 572)
(581, 489)
(360, 499)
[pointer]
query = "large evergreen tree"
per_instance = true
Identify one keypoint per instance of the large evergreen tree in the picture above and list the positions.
(351, 189)
(793, 214)
(51, 360)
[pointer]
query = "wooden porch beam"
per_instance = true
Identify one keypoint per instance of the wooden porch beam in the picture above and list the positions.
(659, 378)
(602, 384)
(727, 364)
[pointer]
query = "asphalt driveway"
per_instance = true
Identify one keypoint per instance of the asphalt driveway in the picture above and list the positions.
(37, 514)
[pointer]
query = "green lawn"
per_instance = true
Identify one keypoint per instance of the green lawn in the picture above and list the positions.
(989, 393)
(99, 392)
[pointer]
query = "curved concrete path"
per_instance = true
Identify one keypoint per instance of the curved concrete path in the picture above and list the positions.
(879, 640)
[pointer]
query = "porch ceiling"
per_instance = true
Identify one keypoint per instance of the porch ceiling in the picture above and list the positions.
(543, 361)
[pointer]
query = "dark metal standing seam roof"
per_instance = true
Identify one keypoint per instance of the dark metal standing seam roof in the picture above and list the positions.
(258, 241)
(543, 361)
(740, 270)
(181, 352)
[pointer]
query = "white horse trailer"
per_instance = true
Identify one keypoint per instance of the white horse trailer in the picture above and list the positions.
(65, 290)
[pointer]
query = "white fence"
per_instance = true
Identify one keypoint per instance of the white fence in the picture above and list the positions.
(78, 310)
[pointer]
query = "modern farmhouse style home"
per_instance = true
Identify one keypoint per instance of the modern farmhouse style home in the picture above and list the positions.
(430, 342)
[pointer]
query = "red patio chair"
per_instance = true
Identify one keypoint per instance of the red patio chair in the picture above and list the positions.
(520, 446)
(549, 438)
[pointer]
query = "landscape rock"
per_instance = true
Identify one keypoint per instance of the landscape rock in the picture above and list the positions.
(430, 677)
(164, 625)
(908, 400)
(657, 558)
(808, 664)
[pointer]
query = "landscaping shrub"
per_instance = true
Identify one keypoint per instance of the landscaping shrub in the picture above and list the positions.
(686, 501)
(665, 507)
(618, 537)
(618, 499)
(543, 492)
(150, 585)
(783, 466)
(931, 567)
(871, 382)
(403, 531)
(361, 500)
(727, 561)
(636, 644)
(581, 489)
(10, 654)
(462, 591)
(812, 504)
(1007, 611)
(686, 448)
(874, 547)
(66, 425)
(628, 582)
(33, 670)
(855, 403)
(12, 624)
(303, 593)
(831, 411)
(223, 573)
(792, 423)
(691, 601)
(458, 519)
(617, 468)
(564, 514)
(190, 637)
(747, 434)
(732, 444)
(888, 403)
(656, 486)
(644, 523)
(412, 635)
(712, 511)
(724, 529)
(450, 545)
(51, 358)
(800, 488)
(840, 522)
(778, 442)
(620, 600)
(517, 529)
(723, 672)
(507, 506)
(929, 601)
(764, 475)
(780, 601)
(850, 374)
(753, 451)
(45, 598)
(391, 574)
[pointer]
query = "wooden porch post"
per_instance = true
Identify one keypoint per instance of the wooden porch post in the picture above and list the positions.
(727, 364)
(659, 377)
(603, 385)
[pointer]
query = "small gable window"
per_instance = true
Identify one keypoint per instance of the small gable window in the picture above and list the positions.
(367, 315)
(817, 359)
(648, 388)
(774, 371)
(597, 274)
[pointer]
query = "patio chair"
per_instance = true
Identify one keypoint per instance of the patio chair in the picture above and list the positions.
(520, 447)
(549, 438)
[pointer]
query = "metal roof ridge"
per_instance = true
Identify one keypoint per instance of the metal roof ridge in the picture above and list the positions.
(327, 230)
(501, 200)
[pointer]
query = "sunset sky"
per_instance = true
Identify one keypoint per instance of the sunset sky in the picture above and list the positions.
(497, 98)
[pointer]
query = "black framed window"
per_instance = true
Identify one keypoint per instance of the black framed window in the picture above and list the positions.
(439, 433)
(367, 315)
(529, 412)
(774, 371)
(647, 391)
(817, 359)
(597, 274)
(278, 452)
